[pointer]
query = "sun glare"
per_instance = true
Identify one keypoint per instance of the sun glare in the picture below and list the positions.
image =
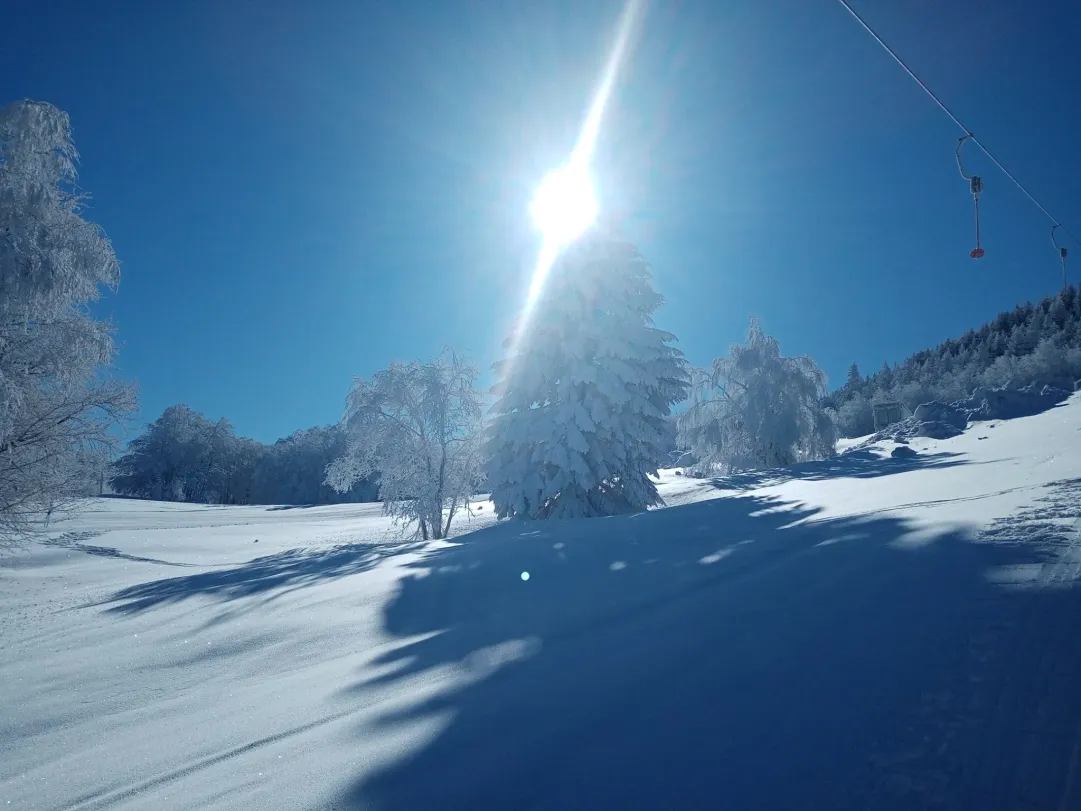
(564, 205)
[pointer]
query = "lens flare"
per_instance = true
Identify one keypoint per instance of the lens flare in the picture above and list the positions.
(565, 205)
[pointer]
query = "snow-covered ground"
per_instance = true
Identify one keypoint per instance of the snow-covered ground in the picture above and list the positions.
(861, 633)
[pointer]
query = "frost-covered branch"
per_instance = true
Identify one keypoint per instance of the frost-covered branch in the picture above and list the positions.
(56, 408)
(756, 409)
(417, 426)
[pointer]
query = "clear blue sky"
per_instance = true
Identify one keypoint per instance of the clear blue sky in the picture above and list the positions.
(303, 192)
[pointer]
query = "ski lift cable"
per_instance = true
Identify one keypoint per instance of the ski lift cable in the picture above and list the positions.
(956, 120)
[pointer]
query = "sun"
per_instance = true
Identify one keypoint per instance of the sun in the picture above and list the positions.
(564, 205)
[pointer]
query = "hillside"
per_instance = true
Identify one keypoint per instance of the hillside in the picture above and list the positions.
(866, 632)
(1032, 343)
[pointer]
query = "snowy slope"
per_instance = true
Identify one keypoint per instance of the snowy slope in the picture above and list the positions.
(863, 633)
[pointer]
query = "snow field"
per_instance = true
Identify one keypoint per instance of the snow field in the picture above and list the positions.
(836, 621)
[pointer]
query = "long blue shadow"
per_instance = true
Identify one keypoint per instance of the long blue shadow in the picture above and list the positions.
(291, 569)
(855, 464)
(740, 653)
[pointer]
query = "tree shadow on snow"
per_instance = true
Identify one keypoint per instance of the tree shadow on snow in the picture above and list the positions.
(732, 654)
(74, 541)
(855, 464)
(294, 568)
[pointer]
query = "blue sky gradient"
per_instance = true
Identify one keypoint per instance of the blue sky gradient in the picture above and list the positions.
(300, 193)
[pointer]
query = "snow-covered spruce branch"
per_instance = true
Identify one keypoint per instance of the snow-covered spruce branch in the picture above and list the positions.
(582, 412)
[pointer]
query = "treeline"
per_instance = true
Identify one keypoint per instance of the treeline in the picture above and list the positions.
(1033, 343)
(183, 456)
(751, 409)
(581, 420)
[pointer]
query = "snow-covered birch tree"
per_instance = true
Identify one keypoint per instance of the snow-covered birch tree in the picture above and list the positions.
(56, 406)
(579, 423)
(417, 426)
(756, 409)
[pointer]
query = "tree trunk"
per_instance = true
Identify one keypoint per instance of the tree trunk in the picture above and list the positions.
(450, 516)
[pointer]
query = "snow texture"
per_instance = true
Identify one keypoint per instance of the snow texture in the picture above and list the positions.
(859, 632)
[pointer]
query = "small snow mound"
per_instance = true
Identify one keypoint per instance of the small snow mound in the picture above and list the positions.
(941, 413)
(931, 428)
(1007, 404)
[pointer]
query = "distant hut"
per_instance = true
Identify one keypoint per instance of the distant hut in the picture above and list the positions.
(886, 414)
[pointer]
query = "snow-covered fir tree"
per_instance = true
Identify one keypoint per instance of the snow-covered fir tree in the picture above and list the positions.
(579, 420)
(854, 376)
(756, 409)
(56, 406)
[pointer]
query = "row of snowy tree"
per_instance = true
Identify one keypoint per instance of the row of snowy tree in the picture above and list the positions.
(1033, 343)
(580, 420)
(183, 456)
(581, 417)
(583, 414)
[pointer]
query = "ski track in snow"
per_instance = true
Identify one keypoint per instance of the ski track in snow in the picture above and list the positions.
(863, 633)
(104, 799)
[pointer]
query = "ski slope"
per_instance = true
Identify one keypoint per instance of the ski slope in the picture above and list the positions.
(862, 633)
